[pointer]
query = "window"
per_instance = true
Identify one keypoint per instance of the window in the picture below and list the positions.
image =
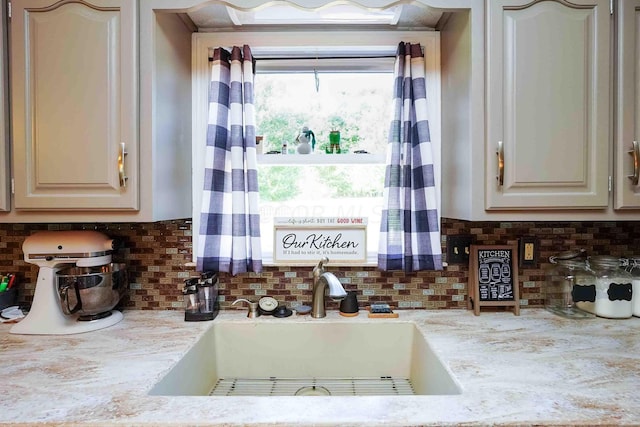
(357, 103)
(287, 99)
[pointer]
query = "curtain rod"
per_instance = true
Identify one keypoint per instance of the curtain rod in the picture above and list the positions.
(293, 58)
(285, 58)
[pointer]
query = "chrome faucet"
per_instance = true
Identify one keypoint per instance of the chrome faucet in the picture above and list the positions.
(321, 280)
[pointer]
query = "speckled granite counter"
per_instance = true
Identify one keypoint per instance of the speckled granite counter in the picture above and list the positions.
(531, 369)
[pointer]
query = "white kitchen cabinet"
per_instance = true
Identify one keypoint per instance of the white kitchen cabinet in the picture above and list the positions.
(627, 108)
(89, 145)
(74, 85)
(75, 104)
(548, 108)
(4, 115)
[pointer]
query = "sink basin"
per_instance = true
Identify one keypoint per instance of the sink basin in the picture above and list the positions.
(304, 358)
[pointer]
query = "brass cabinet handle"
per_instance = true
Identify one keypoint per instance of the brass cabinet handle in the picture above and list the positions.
(500, 153)
(635, 153)
(123, 177)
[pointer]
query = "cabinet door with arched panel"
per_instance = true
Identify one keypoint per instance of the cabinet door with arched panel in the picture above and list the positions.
(75, 104)
(548, 104)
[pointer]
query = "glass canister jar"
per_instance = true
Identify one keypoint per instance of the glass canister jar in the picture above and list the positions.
(570, 286)
(613, 287)
(634, 269)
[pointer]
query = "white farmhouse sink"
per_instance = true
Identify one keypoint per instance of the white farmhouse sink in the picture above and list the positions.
(305, 358)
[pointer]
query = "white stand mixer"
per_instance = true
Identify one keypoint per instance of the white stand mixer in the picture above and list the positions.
(53, 251)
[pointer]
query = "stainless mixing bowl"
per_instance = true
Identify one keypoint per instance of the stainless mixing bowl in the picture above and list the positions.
(91, 291)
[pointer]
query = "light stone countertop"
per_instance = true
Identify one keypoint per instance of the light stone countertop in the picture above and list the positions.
(535, 368)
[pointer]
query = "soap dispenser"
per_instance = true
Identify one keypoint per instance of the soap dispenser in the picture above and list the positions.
(253, 307)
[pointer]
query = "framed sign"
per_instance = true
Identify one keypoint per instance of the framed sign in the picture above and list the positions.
(307, 240)
(493, 277)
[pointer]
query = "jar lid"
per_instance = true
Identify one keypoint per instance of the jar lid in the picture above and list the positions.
(567, 255)
(573, 264)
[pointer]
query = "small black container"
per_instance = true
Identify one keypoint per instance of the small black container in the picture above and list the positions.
(349, 304)
(282, 311)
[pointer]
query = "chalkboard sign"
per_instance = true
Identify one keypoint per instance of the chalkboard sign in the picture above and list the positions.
(493, 277)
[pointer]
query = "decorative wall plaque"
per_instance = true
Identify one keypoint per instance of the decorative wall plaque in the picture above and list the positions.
(307, 240)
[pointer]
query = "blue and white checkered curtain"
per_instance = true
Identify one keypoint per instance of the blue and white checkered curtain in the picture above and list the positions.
(229, 239)
(410, 232)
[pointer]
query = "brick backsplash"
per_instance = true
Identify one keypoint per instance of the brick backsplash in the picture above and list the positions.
(157, 254)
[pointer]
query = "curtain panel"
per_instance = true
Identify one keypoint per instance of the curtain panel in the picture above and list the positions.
(229, 235)
(410, 230)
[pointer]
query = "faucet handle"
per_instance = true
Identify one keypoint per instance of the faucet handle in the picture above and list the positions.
(253, 307)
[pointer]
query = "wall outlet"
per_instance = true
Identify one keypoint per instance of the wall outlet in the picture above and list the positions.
(458, 249)
(528, 251)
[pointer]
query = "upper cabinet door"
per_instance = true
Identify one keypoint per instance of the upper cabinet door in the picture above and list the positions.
(5, 141)
(548, 104)
(627, 111)
(74, 103)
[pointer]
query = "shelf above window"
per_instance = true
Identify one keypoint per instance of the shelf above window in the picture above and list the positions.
(320, 159)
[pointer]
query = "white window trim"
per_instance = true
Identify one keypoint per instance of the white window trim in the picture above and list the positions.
(385, 40)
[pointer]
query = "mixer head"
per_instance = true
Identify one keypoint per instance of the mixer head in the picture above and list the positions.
(84, 248)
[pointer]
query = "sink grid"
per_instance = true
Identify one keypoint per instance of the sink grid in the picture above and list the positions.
(377, 386)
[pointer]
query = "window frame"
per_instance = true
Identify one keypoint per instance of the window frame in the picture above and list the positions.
(304, 41)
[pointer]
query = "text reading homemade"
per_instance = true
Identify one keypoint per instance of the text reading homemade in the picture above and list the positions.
(306, 240)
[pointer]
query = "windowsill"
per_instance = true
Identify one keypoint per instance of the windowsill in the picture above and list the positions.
(371, 262)
(270, 263)
(267, 261)
(320, 159)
